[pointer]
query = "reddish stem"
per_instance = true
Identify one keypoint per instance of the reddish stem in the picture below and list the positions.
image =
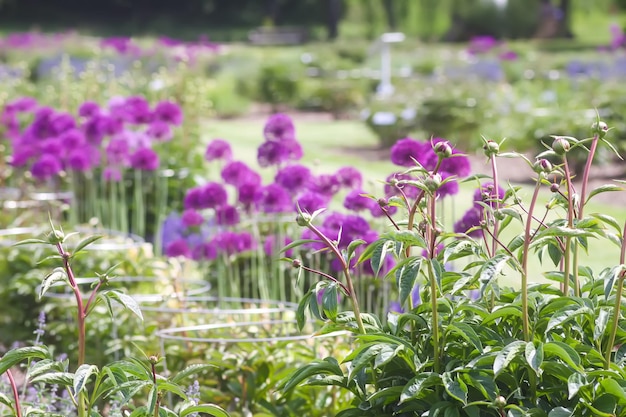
(18, 407)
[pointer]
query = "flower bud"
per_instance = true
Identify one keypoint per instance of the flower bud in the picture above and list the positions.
(599, 128)
(382, 202)
(433, 182)
(443, 149)
(499, 402)
(491, 148)
(554, 187)
(303, 219)
(56, 236)
(543, 166)
(153, 359)
(296, 263)
(560, 146)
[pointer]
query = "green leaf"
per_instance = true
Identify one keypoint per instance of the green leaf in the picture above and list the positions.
(168, 386)
(466, 332)
(491, 269)
(82, 375)
(31, 242)
(85, 242)
(561, 412)
(534, 356)
(609, 277)
(601, 322)
(15, 356)
(5, 400)
(603, 189)
(379, 254)
(555, 254)
(506, 311)
(65, 379)
(510, 213)
(210, 409)
(194, 369)
(364, 356)
(562, 231)
(564, 352)
(330, 303)
(611, 386)
(414, 387)
(386, 354)
(608, 220)
(407, 275)
(327, 366)
(566, 314)
(353, 246)
(506, 355)
(297, 243)
(408, 238)
(574, 383)
(125, 300)
(57, 275)
(301, 310)
(454, 387)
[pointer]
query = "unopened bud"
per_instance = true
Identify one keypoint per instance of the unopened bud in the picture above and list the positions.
(600, 128)
(491, 148)
(443, 149)
(56, 236)
(382, 202)
(153, 359)
(560, 146)
(543, 166)
(433, 182)
(296, 263)
(554, 187)
(303, 219)
(499, 402)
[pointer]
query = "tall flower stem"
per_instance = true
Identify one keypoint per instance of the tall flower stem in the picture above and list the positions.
(496, 201)
(346, 270)
(16, 395)
(618, 302)
(526, 250)
(570, 224)
(434, 295)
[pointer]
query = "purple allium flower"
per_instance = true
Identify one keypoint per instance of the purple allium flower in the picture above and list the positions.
(89, 109)
(172, 228)
(61, 122)
(237, 173)
(294, 149)
(46, 166)
(95, 129)
(416, 298)
(159, 131)
(134, 109)
(232, 243)
(273, 199)
(191, 218)
(508, 55)
(178, 247)
(22, 105)
(481, 44)
(349, 177)
(168, 112)
(355, 201)
(405, 150)
(51, 146)
(227, 215)
(144, 159)
(204, 251)
(293, 178)
(210, 195)
(487, 194)
(377, 211)
(471, 218)
(121, 45)
(247, 192)
(307, 234)
(449, 188)
(409, 190)
(325, 184)
(118, 151)
(218, 149)
(272, 153)
(137, 140)
(310, 202)
(112, 174)
(272, 246)
(353, 227)
(458, 165)
(72, 139)
(334, 221)
(279, 127)
(80, 159)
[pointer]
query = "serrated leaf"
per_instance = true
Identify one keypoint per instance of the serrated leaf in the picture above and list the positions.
(15, 356)
(506, 355)
(85, 242)
(125, 300)
(574, 383)
(57, 275)
(603, 189)
(82, 375)
(414, 387)
(210, 409)
(534, 356)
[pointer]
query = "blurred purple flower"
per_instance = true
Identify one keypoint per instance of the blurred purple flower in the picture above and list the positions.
(325, 184)
(168, 112)
(237, 173)
(22, 155)
(227, 215)
(395, 308)
(211, 195)
(80, 159)
(172, 228)
(22, 105)
(355, 201)
(471, 218)
(487, 194)
(247, 192)
(112, 174)
(46, 167)
(508, 55)
(416, 299)
(279, 127)
(121, 45)
(178, 247)
(232, 243)
(159, 131)
(293, 178)
(89, 109)
(409, 190)
(218, 149)
(449, 188)
(117, 151)
(405, 150)
(458, 165)
(310, 202)
(204, 251)
(72, 139)
(52, 146)
(481, 44)
(353, 227)
(133, 109)
(273, 199)
(349, 177)
(144, 159)
(192, 218)
(272, 153)
(307, 234)
(61, 122)
(377, 211)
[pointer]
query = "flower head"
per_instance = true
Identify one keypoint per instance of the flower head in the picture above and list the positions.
(311, 201)
(349, 177)
(273, 199)
(470, 219)
(404, 151)
(191, 218)
(237, 173)
(218, 149)
(210, 195)
(227, 215)
(81, 159)
(159, 131)
(46, 167)
(293, 178)
(168, 112)
(144, 159)
(89, 109)
(272, 153)
(178, 247)
(279, 127)
(325, 184)
(355, 201)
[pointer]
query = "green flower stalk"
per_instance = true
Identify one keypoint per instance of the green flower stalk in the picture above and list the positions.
(618, 302)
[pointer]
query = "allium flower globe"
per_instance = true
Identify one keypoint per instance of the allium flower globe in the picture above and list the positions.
(279, 127)
(293, 178)
(218, 149)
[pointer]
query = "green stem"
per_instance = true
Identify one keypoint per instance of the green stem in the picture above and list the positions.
(526, 250)
(496, 202)
(570, 224)
(435, 316)
(618, 303)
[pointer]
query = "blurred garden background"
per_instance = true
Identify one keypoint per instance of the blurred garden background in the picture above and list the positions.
(155, 124)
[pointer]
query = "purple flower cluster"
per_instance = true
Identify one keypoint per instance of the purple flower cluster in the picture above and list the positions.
(118, 136)
(405, 152)
(280, 144)
(486, 194)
